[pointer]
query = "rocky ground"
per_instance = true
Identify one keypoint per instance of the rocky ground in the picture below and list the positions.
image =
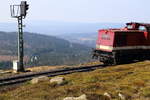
(121, 82)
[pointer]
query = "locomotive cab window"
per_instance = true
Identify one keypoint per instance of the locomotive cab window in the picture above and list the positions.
(142, 28)
(129, 26)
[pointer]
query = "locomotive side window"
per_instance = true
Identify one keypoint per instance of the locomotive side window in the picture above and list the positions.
(142, 28)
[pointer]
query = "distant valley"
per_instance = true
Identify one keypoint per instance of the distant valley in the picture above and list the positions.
(87, 39)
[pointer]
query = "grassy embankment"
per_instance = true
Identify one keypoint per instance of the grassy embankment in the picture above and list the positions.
(133, 80)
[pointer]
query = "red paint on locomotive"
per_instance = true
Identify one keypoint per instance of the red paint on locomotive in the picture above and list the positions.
(113, 44)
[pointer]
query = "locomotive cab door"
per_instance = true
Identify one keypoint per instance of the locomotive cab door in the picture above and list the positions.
(120, 40)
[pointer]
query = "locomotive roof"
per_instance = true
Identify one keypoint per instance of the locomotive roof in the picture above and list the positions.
(124, 30)
(139, 24)
(121, 30)
(135, 29)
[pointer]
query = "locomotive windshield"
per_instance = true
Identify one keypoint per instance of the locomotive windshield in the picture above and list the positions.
(129, 26)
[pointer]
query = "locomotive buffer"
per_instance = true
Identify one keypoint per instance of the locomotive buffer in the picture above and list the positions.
(19, 12)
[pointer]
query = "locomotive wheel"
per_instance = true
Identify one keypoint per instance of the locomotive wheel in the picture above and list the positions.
(116, 61)
(106, 63)
(109, 62)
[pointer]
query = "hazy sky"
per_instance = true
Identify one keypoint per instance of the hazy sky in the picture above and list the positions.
(82, 10)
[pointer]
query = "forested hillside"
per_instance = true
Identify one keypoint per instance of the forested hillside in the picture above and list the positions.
(43, 50)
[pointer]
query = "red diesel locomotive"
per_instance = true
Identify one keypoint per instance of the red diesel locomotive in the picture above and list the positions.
(115, 46)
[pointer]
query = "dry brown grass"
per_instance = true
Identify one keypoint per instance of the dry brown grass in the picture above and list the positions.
(133, 80)
(11, 58)
(45, 68)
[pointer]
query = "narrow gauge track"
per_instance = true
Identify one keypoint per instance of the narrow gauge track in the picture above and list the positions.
(26, 77)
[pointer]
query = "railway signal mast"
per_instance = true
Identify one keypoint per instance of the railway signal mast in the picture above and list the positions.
(20, 12)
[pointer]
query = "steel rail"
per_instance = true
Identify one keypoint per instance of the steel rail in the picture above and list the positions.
(26, 77)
